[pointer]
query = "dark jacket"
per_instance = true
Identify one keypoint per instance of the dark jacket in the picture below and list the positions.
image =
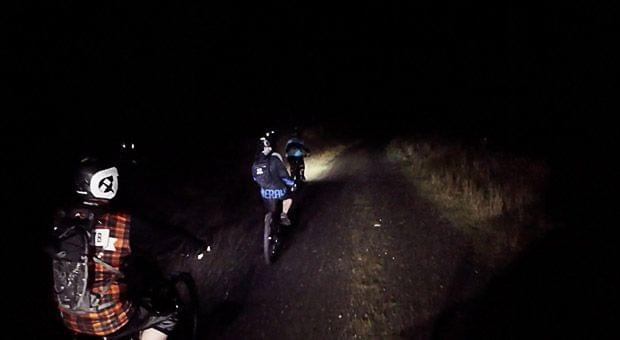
(280, 178)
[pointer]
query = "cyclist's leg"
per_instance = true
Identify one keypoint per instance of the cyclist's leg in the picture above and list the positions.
(277, 206)
(299, 165)
(153, 334)
(286, 201)
(294, 163)
(271, 206)
(286, 205)
(164, 324)
(143, 319)
(302, 168)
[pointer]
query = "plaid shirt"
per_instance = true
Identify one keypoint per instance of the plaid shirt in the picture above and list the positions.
(111, 240)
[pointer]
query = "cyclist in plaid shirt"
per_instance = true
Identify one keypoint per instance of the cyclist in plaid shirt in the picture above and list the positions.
(115, 238)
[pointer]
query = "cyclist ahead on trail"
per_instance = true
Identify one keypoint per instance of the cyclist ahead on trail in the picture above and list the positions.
(271, 175)
(93, 246)
(296, 150)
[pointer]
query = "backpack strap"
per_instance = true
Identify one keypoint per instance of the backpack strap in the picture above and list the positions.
(108, 267)
(277, 155)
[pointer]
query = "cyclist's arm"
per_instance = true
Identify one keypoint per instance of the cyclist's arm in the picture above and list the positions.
(282, 173)
(149, 239)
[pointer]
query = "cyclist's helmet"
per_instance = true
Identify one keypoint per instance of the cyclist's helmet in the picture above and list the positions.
(271, 136)
(128, 153)
(264, 146)
(296, 132)
(126, 146)
(96, 182)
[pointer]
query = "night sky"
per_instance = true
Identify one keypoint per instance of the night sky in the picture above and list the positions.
(471, 67)
(534, 79)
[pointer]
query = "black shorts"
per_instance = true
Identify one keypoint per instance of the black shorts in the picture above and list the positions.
(144, 319)
(274, 206)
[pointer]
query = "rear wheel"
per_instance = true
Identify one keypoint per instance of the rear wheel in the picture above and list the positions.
(270, 239)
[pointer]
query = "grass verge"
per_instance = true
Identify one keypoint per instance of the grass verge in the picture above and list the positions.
(496, 199)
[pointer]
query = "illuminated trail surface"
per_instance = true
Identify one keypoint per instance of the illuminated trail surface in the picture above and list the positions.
(366, 258)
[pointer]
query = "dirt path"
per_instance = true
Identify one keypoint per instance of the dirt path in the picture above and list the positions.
(368, 259)
(412, 276)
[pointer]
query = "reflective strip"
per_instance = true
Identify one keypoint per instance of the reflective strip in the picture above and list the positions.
(272, 194)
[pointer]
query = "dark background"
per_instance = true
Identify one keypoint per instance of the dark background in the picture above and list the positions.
(477, 68)
(185, 80)
(192, 81)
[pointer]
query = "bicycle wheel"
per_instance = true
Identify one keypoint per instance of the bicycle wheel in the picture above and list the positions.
(187, 296)
(270, 239)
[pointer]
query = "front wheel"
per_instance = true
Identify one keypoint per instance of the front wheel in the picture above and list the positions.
(270, 239)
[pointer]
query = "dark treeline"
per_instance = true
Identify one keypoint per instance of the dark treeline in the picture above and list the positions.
(189, 81)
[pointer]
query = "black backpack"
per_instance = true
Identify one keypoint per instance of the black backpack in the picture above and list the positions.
(72, 251)
(261, 171)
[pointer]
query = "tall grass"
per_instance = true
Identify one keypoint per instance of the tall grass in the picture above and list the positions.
(496, 197)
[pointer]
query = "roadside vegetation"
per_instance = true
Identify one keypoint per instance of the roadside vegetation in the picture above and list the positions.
(497, 199)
